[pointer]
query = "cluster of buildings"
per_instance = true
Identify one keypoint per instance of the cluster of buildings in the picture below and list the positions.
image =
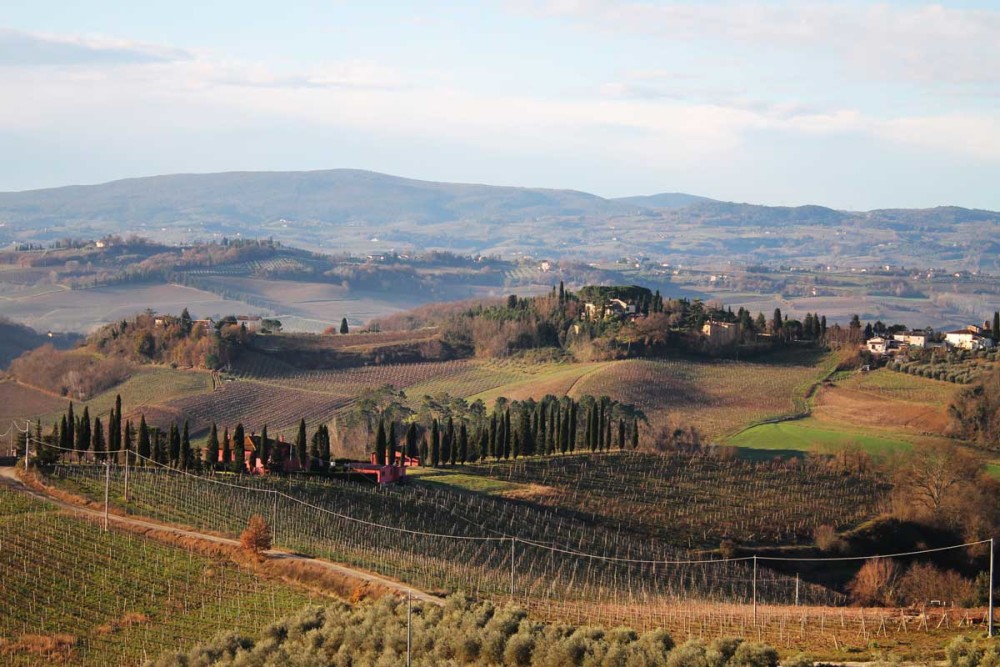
(971, 337)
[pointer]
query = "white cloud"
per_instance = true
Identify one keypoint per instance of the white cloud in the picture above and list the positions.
(22, 49)
(928, 43)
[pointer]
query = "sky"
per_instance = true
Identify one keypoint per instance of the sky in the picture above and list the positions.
(854, 105)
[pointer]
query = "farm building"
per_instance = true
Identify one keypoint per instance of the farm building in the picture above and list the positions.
(402, 460)
(911, 338)
(380, 474)
(720, 333)
(969, 338)
(280, 456)
(612, 308)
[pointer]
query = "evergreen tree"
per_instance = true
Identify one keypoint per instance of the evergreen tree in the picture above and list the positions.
(116, 437)
(70, 440)
(621, 434)
(213, 446)
(300, 444)
(144, 444)
(515, 448)
(128, 443)
(822, 325)
(391, 443)
(187, 457)
(562, 292)
(448, 443)
(484, 444)
(227, 449)
(186, 322)
(995, 330)
(380, 443)
(524, 434)
(424, 451)
(265, 447)
(573, 425)
(314, 448)
(175, 445)
(159, 450)
(491, 447)
(343, 326)
(635, 434)
(64, 441)
(435, 444)
(452, 442)
(83, 428)
(411, 440)
(463, 444)
(99, 443)
(239, 448)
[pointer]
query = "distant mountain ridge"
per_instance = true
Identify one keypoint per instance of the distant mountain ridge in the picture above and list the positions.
(364, 212)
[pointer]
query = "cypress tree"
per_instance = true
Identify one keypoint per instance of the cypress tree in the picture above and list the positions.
(159, 450)
(515, 448)
(144, 445)
(343, 326)
(64, 440)
(635, 434)
(213, 446)
(411, 440)
(265, 446)
(239, 448)
(314, 448)
(463, 444)
(491, 445)
(324, 450)
(525, 445)
(452, 442)
(562, 293)
(380, 443)
(83, 428)
(484, 444)
(70, 423)
(995, 331)
(553, 430)
(227, 448)
(607, 434)
(435, 444)
(508, 435)
(391, 443)
(175, 445)
(300, 444)
(573, 425)
(99, 444)
(621, 434)
(424, 451)
(128, 443)
(116, 442)
(187, 457)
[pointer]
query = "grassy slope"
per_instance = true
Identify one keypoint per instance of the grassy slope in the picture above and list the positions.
(882, 412)
(117, 597)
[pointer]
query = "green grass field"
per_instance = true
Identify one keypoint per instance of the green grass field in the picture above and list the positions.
(75, 594)
(806, 435)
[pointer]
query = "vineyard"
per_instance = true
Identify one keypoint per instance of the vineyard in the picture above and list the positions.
(715, 397)
(74, 593)
(555, 562)
(697, 501)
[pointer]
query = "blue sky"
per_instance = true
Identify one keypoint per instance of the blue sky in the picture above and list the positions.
(851, 105)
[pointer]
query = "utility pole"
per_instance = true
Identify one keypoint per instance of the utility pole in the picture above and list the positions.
(990, 630)
(409, 614)
(107, 489)
(512, 541)
(796, 589)
(126, 474)
(755, 591)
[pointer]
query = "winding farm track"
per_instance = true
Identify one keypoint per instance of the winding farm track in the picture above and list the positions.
(9, 479)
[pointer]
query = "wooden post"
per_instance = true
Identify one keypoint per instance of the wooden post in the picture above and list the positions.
(409, 613)
(755, 591)
(990, 627)
(107, 490)
(512, 540)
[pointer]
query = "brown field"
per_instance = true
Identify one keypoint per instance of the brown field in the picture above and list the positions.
(85, 310)
(886, 401)
(20, 403)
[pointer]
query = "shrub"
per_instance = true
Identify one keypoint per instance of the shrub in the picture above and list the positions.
(256, 539)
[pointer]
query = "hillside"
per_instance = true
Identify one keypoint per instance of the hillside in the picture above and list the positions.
(369, 212)
(16, 339)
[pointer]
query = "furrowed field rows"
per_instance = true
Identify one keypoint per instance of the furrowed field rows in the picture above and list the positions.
(78, 595)
(715, 397)
(697, 501)
(254, 404)
(884, 383)
(433, 539)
